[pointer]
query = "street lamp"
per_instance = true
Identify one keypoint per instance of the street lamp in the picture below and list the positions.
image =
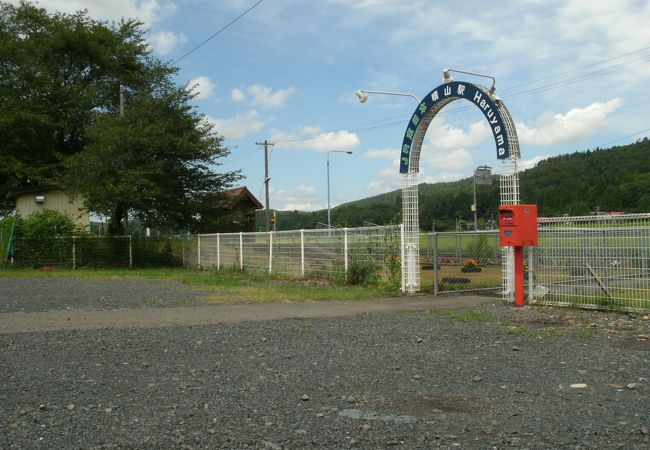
(447, 78)
(329, 212)
(484, 175)
(362, 94)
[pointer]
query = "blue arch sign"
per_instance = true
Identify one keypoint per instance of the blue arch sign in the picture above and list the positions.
(493, 109)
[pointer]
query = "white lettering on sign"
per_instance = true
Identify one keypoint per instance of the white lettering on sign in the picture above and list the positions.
(461, 89)
(447, 91)
(434, 96)
(492, 118)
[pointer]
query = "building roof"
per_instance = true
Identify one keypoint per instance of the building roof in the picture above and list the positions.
(30, 190)
(236, 194)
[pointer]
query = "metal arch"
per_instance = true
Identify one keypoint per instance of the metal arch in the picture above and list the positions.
(418, 138)
(425, 121)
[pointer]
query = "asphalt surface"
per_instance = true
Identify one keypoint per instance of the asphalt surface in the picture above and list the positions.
(475, 374)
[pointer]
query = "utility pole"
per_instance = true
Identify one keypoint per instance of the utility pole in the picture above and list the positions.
(121, 100)
(266, 145)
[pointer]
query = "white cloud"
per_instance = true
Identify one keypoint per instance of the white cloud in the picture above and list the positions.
(446, 160)
(237, 127)
(312, 138)
(165, 42)
(386, 153)
(525, 164)
(388, 180)
(149, 11)
(448, 137)
(621, 23)
(237, 95)
(576, 125)
(202, 86)
(301, 198)
(265, 97)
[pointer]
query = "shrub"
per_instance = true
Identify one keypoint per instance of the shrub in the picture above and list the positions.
(47, 223)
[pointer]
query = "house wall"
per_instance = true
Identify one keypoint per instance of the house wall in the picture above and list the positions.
(57, 200)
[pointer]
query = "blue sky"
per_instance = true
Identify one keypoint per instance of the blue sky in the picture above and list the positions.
(574, 75)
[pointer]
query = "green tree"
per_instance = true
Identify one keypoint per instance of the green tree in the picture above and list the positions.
(56, 72)
(154, 163)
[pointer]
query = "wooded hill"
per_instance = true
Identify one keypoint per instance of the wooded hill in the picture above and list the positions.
(614, 179)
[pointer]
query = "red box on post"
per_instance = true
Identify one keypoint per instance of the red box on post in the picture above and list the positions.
(518, 225)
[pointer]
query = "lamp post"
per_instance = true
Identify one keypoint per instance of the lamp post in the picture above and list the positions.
(484, 174)
(329, 211)
(447, 78)
(363, 97)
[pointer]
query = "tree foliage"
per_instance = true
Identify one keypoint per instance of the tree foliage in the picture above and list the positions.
(60, 77)
(616, 179)
(47, 223)
(155, 162)
(56, 71)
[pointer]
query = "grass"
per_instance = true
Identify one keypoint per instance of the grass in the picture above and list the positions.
(225, 286)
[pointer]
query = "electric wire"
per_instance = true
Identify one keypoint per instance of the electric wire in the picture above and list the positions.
(221, 30)
(629, 63)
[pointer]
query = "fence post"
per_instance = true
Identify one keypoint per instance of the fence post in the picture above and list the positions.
(130, 252)
(302, 253)
(435, 264)
(198, 251)
(74, 254)
(218, 251)
(270, 252)
(345, 249)
(402, 254)
(531, 288)
(241, 250)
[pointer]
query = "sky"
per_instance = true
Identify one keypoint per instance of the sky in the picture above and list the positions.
(573, 74)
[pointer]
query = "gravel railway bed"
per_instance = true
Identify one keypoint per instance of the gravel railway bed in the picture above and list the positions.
(490, 376)
(58, 293)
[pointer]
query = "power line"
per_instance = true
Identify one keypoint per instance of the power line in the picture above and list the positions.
(218, 32)
(624, 137)
(638, 60)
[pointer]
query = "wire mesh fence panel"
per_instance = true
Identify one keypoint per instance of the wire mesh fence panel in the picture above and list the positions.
(190, 251)
(75, 252)
(461, 261)
(287, 253)
(373, 255)
(324, 254)
(156, 252)
(229, 251)
(57, 252)
(256, 248)
(105, 252)
(594, 261)
(208, 251)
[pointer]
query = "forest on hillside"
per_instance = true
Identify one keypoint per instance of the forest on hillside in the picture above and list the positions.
(613, 179)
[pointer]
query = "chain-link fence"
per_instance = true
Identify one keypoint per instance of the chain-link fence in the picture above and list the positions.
(460, 261)
(96, 252)
(358, 256)
(593, 261)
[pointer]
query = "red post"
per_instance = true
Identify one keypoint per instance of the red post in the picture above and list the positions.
(519, 276)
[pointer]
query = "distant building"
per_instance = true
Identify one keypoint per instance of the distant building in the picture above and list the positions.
(230, 211)
(36, 198)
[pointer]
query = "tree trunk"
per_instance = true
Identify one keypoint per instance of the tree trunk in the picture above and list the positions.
(115, 224)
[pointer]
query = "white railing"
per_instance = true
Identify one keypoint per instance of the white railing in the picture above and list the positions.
(336, 254)
(592, 261)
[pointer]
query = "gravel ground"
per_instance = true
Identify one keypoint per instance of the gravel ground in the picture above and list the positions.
(486, 377)
(49, 294)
